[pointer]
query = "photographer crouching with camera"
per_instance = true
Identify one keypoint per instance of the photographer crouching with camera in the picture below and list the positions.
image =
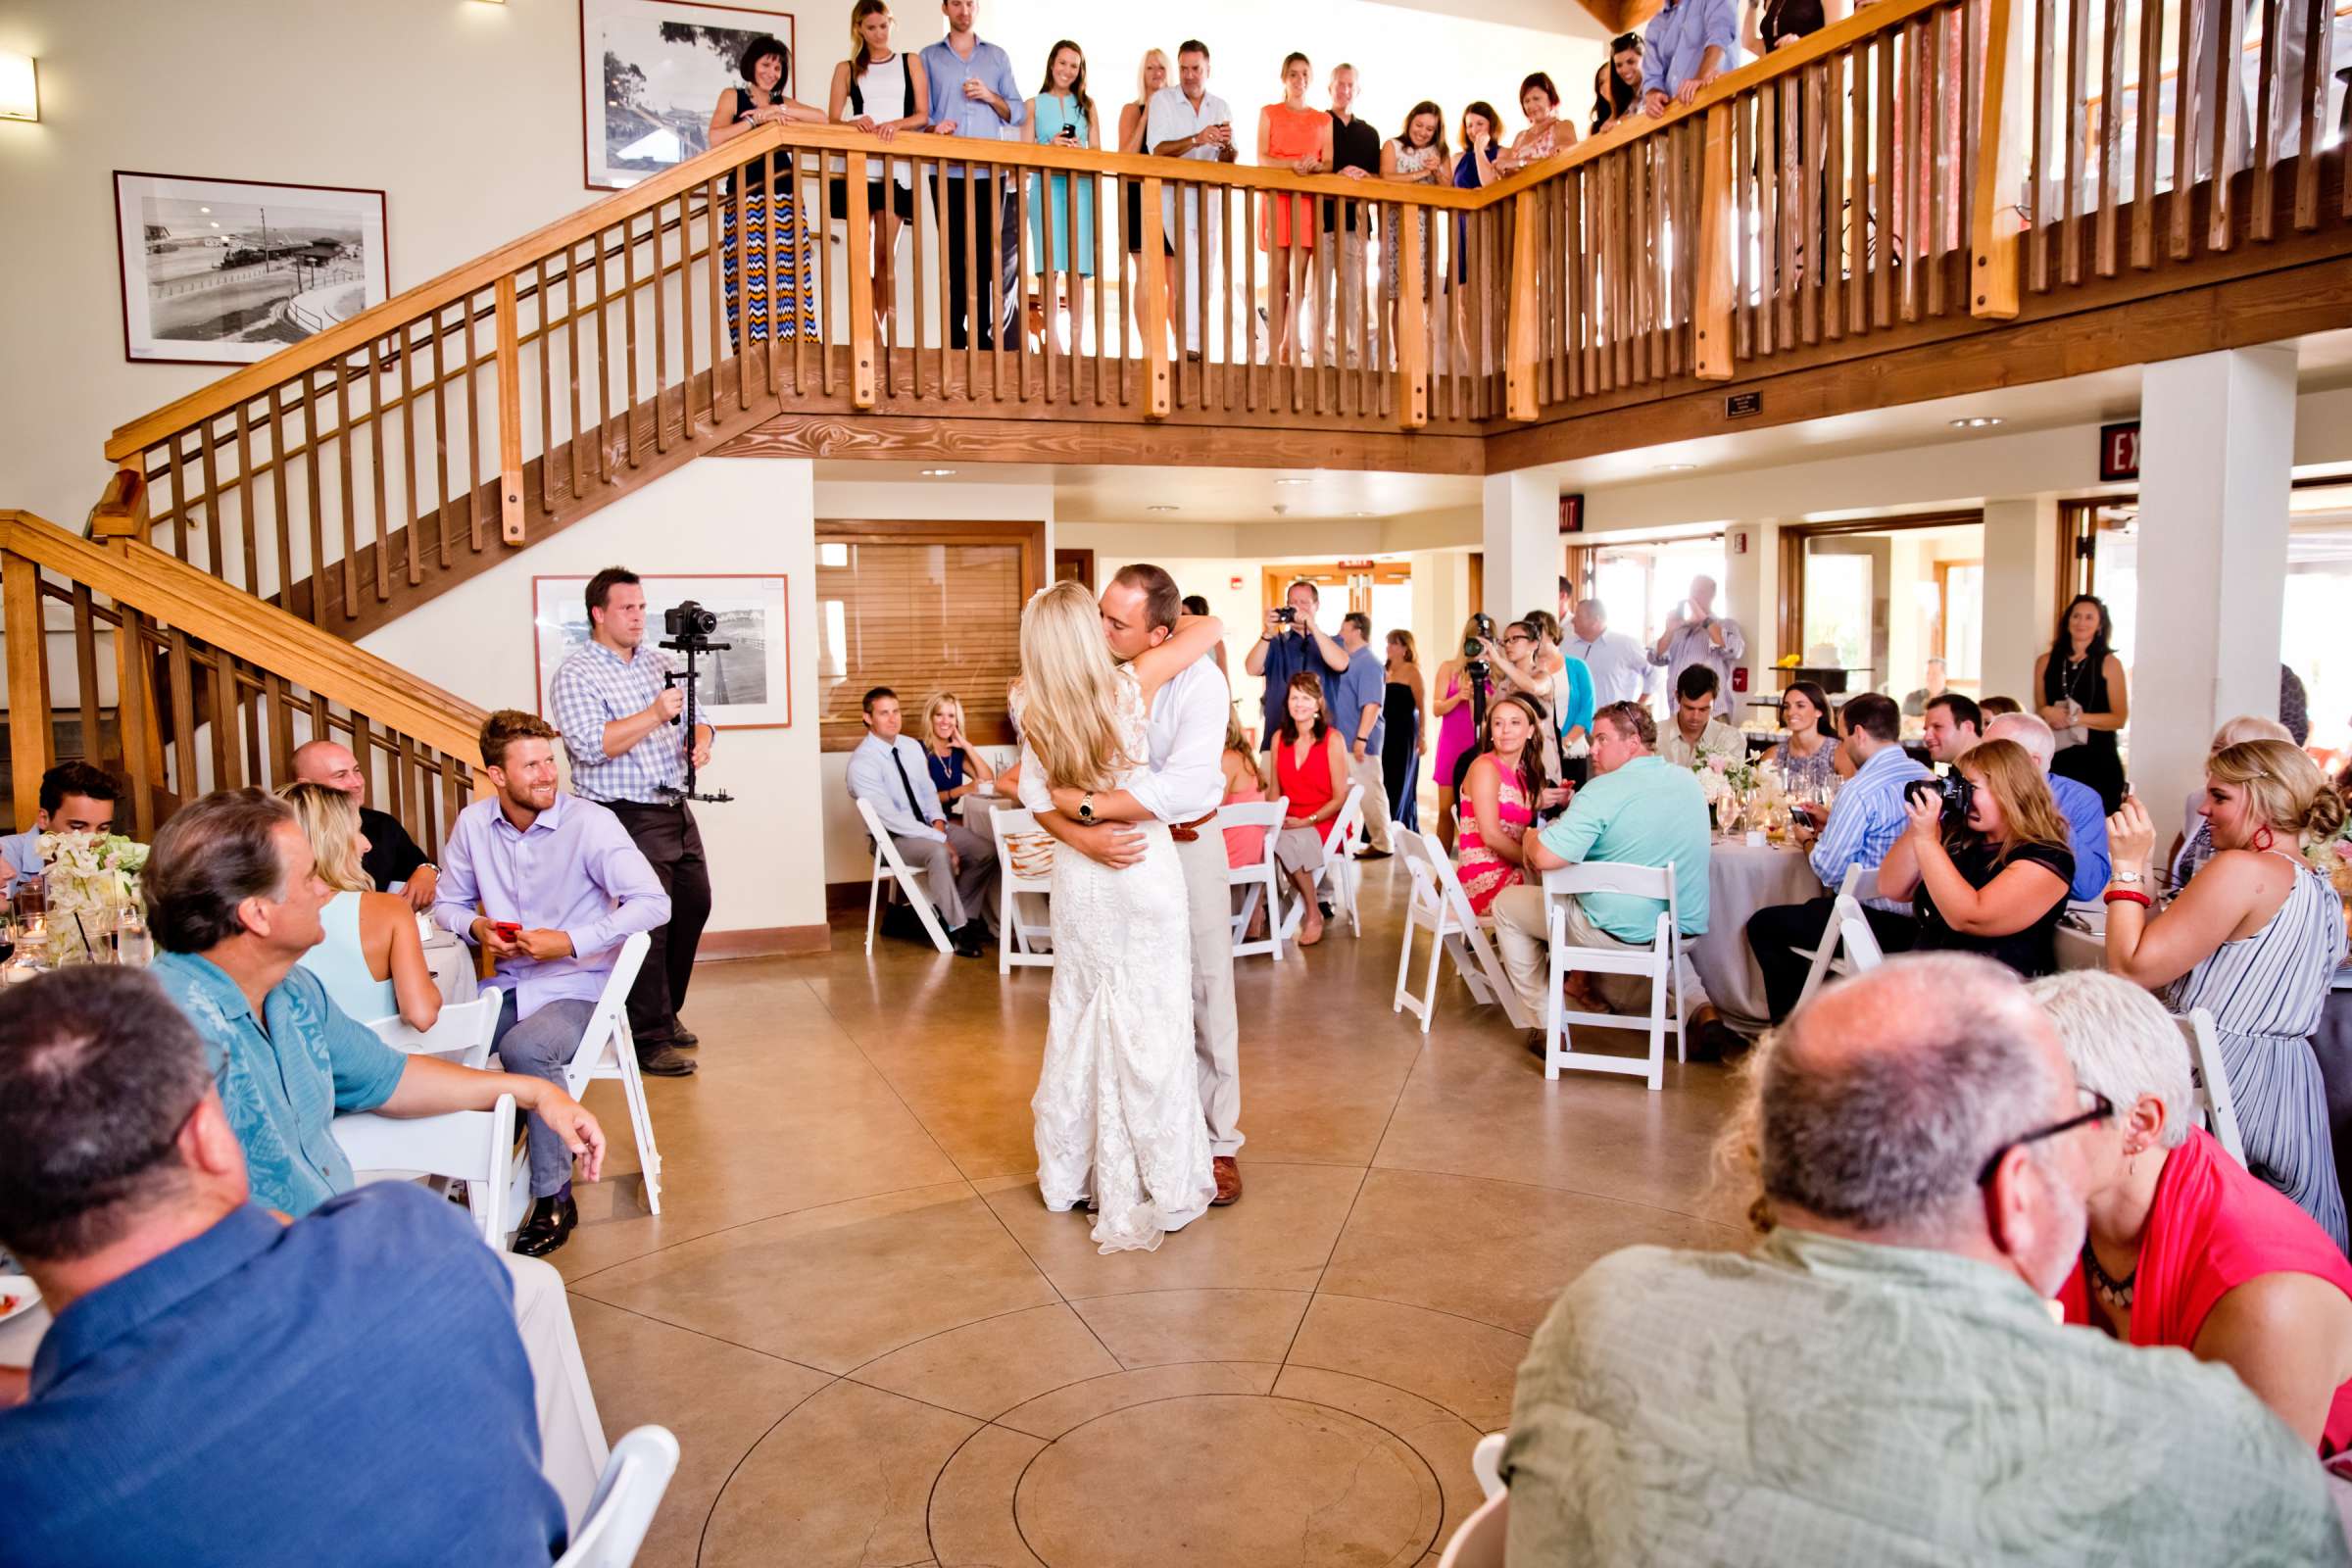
(622, 713)
(1986, 859)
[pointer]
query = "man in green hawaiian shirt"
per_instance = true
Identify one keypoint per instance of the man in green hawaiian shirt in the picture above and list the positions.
(1881, 1379)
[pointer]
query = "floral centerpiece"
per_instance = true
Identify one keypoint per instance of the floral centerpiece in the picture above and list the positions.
(91, 878)
(1722, 773)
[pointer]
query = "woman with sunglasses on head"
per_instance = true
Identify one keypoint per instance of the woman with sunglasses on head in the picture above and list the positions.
(1617, 85)
(2255, 940)
(2187, 1248)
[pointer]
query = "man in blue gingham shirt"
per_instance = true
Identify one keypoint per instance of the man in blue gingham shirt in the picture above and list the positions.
(1865, 823)
(616, 709)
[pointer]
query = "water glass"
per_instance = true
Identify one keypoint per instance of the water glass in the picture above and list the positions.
(135, 944)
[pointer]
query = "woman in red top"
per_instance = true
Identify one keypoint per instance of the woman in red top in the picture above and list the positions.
(1310, 771)
(2187, 1246)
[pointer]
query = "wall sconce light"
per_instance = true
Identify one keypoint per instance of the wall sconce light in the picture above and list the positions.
(20, 87)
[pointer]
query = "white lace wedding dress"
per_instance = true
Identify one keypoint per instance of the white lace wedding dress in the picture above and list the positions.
(1119, 1101)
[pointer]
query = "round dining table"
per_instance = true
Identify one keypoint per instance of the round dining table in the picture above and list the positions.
(1743, 878)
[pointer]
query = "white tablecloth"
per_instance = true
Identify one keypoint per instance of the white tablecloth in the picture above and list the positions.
(1741, 880)
(452, 963)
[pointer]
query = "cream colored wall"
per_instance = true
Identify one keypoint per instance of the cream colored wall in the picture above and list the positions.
(723, 516)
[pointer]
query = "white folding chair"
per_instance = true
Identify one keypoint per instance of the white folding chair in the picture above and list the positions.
(461, 1034)
(1661, 962)
(1861, 952)
(1824, 959)
(890, 867)
(626, 1494)
(468, 1145)
(1439, 905)
(1262, 872)
(609, 1051)
(1339, 871)
(2213, 1099)
(1480, 1542)
(1024, 864)
(1485, 1462)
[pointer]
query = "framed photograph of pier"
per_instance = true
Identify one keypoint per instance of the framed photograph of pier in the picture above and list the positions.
(650, 72)
(227, 272)
(744, 685)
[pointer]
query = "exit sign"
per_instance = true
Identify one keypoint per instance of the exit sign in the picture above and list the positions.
(2119, 452)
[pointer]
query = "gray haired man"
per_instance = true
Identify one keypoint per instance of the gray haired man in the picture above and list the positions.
(1879, 1379)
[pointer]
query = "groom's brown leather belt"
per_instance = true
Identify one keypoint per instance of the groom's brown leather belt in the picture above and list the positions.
(1185, 832)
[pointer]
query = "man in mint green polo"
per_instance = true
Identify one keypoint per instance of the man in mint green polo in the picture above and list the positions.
(1636, 810)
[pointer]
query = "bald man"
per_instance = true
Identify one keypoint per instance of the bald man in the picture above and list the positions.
(1878, 1378)
(393, 859)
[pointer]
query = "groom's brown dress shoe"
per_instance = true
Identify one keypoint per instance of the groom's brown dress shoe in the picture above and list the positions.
(1228, 1172)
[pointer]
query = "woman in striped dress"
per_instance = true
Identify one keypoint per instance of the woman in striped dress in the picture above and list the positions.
(2255, 940)
(788, 301)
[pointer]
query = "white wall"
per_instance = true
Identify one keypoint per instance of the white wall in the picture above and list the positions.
(722, 515)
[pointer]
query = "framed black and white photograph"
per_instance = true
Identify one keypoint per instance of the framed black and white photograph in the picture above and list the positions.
(227, 272)
(650, 72)
(744, 685)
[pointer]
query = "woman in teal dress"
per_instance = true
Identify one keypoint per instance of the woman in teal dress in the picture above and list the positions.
(1064, 115)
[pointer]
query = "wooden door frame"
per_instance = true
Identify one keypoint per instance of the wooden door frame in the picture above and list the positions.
(1792, 557)
(1275, 581)
(1082, 559)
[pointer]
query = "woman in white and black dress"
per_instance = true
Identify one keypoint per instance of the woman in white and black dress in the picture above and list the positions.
(1118, 1119)
(882, 92)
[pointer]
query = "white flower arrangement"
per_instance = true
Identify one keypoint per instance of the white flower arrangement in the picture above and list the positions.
(1721, 773)
(91, 878)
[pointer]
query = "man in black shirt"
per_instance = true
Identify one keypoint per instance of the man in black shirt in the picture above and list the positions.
(1340, 277)
(393, 859)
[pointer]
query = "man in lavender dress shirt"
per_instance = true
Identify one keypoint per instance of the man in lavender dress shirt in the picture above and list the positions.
(568, 874)
(1689, 43)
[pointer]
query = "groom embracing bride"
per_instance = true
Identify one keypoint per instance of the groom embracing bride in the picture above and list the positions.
(1123, 712)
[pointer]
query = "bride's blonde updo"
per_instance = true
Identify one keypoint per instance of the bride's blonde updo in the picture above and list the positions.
(2284, 785)
(1068, 697)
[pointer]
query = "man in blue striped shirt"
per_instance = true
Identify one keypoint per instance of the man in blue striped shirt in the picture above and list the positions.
(1868, 818)
(974, 94)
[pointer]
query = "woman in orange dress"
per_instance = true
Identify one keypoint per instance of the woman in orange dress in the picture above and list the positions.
(1291, 136)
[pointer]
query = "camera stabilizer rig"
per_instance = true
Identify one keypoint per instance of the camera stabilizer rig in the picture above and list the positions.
(1477, 670)
(688, 628)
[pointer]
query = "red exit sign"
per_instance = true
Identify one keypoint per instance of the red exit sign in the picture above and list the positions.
(2119, 452)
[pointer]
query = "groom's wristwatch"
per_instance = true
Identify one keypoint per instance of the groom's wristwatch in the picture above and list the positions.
(1086, 807)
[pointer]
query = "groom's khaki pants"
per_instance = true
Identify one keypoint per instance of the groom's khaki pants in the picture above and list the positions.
(1216, 1032)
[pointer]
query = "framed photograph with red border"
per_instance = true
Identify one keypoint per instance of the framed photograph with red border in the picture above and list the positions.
(650, 72)
(228, 272)
(744, 685)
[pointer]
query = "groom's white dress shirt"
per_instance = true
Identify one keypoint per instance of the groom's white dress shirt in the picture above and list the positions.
(1184, 737)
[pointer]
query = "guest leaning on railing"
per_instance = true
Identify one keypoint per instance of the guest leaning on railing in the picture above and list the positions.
(785, 304)
(1293, 136)
(2256, 939)
(1416, 156)
(870, 84)
(1688, 46)
(1062, 225)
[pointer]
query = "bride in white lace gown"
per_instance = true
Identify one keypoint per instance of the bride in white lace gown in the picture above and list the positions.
(1117, 1107)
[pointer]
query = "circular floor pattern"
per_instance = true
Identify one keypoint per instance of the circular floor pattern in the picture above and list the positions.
(1294, 1482)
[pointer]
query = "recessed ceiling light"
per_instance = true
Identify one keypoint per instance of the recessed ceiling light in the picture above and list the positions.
(1293, 481)
(939, 473)
(1676, 467)
(1360, 514)
(1980, 422)
(1160, 508)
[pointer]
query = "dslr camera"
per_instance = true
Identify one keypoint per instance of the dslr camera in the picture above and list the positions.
(1958, 795)
(689, 619)
(1473, 645)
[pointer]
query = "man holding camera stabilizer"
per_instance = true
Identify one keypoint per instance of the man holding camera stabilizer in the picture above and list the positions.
(620, 713)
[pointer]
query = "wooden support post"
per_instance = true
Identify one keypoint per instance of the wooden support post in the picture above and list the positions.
(122, 509)
(1995, 255)
(142, 742)
(1525, 350)
(510, 411)
(858, 265)
(1153, 280)
(29, 738)
(1711, 320)
(1413, 321)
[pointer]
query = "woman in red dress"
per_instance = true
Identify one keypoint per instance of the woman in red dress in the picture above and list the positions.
(2187, 1246)
(1310, 771)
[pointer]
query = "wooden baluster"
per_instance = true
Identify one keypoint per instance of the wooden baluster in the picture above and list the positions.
(2070, 243)
(2311, 103)
(2260, 220)
(250, 542)
(509, 407)
(179, 497)
(313, 493)
(2228, 20)
(604, 364)
(441, 428)
(31, 739)
(915, 291)
(1574, 328)
(1412, 325)
(134, 716)
(223, 678)
(249, 719)
(1994, 263)
(1181, 312)
(1741, 261)
(377, 479)
(628, 327)
(714, 250)
(660, 339)
(1293, 277)
(1365, 308)
(411, 516)
(856, 260)
(2185, 141)
(1855, 230)
(85, 673)
(2143, 151)
(685, 316)
(545, 335)
(1019, 310)
(1097, 286)
(1320, 271)
(1909, 196)
(1771, 267)
(1251, 216)
(1932, 159)
(1790, 178)
(183, 716)
(1828, 134)
(1222, 195)
(279, 709)
(1711, 326)
(348, 505)
(278, 507)
(808, 227)
(1151, 278)
(1816, 178)
(214, 528)
(1524, 369)
(1888, 202)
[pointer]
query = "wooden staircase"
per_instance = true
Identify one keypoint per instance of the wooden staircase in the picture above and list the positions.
(178, 683)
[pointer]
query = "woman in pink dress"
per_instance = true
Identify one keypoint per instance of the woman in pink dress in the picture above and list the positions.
(1457, 722)
(1501, 794)
(1244, 786)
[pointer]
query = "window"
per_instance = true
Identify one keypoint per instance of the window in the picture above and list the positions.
(922, 607)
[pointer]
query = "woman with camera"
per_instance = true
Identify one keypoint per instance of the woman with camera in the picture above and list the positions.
(1986, 859)
(2256, 940)
(1455, 705)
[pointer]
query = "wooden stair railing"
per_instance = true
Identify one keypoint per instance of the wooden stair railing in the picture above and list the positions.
(1884, 182)
(205, 687)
